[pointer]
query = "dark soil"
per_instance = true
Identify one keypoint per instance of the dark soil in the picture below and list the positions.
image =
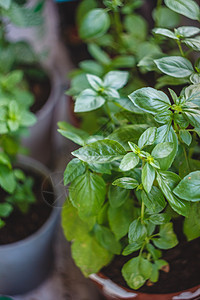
(184, 262)
(18, 225)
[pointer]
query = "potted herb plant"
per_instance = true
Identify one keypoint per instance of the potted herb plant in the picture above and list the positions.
(133, 202)
(27, 223)
(18, 35)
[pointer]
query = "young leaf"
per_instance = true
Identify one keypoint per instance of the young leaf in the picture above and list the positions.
(131, 248)
(167, 238)
(189, 187)
(73, 226)
(89, 256)
(159, 219)
(167, 181)
(148, 176)
(120, 218)
(100, 21)
(165, 32)
(191, 226)
(175, 66)
(148, 137)
(187, 8)
(137, 231)
(136, 271)
(154, 200)
(150, 100)
(95, 82)
(117, 195)
(185, 136)
(100, 152)
(5, 209)
(7, 179)
(187, 31)
(88, 100)
(87, 194)
(193, 43)
(115, 79)
(162, 150)
(129, 161)
(74, 169)
(77, 135)
(106, 239)
(126, 183)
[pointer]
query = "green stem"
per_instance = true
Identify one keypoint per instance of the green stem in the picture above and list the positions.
(118, 26)
(158, 6)
(186, 159)
(142, 211)
(180, 48)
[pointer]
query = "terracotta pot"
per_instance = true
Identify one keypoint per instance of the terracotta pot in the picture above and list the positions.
(113, 291)
(26, 263)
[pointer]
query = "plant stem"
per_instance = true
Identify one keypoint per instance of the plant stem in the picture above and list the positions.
(142, 212)
(180, 48)
(118, 26)
(186, 159)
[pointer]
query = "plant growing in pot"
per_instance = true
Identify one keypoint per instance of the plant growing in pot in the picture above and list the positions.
(134, 192)
(27, 223)
(17, 53)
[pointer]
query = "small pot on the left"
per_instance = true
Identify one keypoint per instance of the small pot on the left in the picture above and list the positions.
(26, 263)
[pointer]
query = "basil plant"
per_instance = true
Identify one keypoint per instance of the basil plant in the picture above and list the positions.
(130, 179)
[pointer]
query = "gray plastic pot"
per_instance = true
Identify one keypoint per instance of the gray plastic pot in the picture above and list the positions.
(25, 264)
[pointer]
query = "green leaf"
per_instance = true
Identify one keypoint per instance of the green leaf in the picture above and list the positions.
(167, 238)
(159, 219)
(27, 119)
(100, 168)
(116, 79)
(88, 100)
(107, 239)
(89, 256)
(187, 8)
(137, 231)
(73, 226)
(166, 133)
(95, 82)
(187, 31)
(193, 116)
(193, 43)
(129, 161)
(136, 271)
(87, 193)
(154, 200)
(136, 26)
(164, 117)
(74, 169)
(120, 218)
(127, 61)
(150, 100)
(130, 248)
(100, 152)
(5, 4)
(191, 227)
(165, 17)
(167, 181)
(162, 150)
(78, 136)
(117, 195)
(127, 133)
(185, 137)
(189, 187)
(156, 253)
(94, 24)
(5, 160)
(126, 183)
(175, 66)
(148, 137)
(98, 54)
(148, 176)
(165, 32)
(7, 179)
(5, 209)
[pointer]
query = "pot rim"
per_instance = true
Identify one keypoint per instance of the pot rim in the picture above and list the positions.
(99, 278)
(35, 165)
